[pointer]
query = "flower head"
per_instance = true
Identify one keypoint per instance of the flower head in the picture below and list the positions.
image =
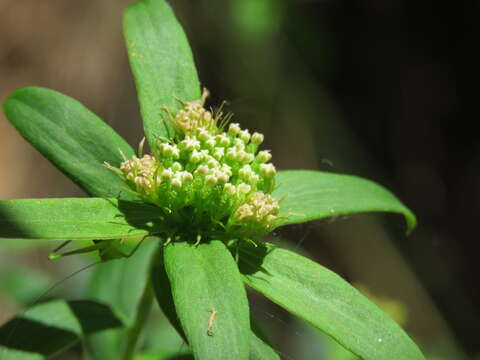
(212, 180)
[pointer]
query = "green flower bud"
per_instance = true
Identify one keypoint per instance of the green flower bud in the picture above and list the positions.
(214, 178)
(264, 156)
(234, 129)
(257, 138)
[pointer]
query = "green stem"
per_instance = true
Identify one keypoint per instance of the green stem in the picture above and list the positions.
(142, 315)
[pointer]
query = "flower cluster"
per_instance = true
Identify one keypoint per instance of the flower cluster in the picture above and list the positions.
(210, 176)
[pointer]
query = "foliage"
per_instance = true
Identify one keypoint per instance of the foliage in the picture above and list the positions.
(198, 239)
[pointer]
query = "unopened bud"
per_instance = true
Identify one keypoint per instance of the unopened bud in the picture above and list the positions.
(196, 157)
(234, 129)
(229, 189)
(203, 135)
(245, 136)
(210, 143)
(207, 116)
(267, 170)
(218, 153)
(211, 180)
(176, 166)
(167, 174)
(257, 138)
(212, 163)
(222, 140)
(177, 183)
(244, 188)
(202, 170)
(222, 177)
(264, 156)
(187, 177)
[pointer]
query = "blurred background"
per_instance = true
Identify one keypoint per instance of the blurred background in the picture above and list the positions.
(364, 87)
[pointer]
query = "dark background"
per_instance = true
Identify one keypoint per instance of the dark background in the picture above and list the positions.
(363, 87)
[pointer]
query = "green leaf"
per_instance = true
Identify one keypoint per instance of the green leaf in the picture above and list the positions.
(325, 300)
(310, 195)
(120, 284)
(210, 299)
(76, 219)
(161, 62)
(50, 328)
(259, 349)
(73, 138)
(163, 294)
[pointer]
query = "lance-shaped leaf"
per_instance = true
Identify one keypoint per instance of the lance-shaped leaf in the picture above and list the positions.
(161, 62)
(73, 138)
(52, 327)
(259, 349)
(310, 195)
(209, 299)
(325, 300)
(76, 219)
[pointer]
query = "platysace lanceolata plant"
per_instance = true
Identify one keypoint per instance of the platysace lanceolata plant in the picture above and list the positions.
(202, 201)
(210, 175)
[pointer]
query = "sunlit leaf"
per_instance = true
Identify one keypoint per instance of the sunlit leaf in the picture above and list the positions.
(162, 63)
(76, 219)
(209, 299)
(325, 300)
(310, 195)
(73, 138)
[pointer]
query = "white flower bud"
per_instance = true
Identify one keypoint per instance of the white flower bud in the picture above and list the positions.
(245, 171)
(210, 143)
(234, 129)
(176, 152)
(244, 211)
(166, 149)
(207, 116)
(202, 170)
(211, 180)
(167, 174)
(187, 177)
(264, 156)
(267, 170)
(257, 138)
(222, 177)
(244, 188)
(226, 169)
(245, 157)
(203, 135)
(169, 151)
(222, 140)
(196, 156)
(231, 154)
(212, 163)
(239, 145)
(229, 189)
(218, 153)
(176, 183)
(190, 143)
(244, 135)
(176, 166)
